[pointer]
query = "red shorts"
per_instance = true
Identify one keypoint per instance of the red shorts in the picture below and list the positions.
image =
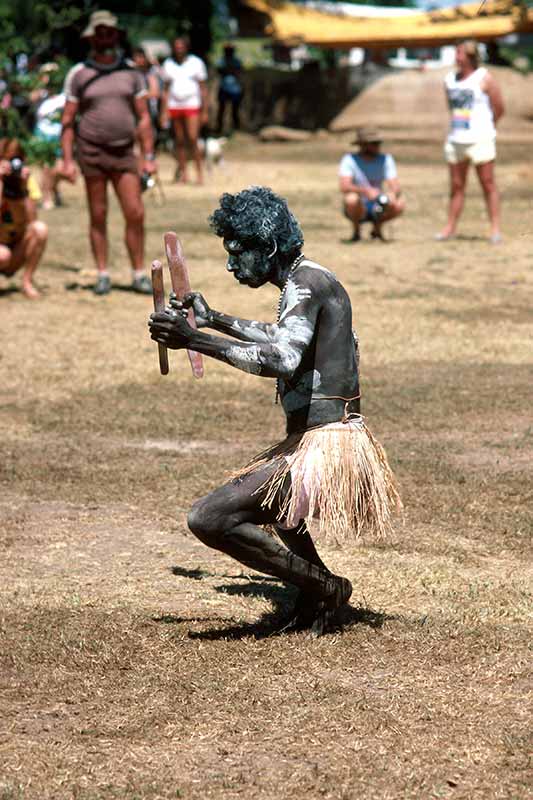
(180, 113)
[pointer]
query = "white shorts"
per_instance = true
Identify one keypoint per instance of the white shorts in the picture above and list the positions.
(477, 152)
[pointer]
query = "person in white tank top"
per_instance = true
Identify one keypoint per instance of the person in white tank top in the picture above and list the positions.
(475, 102)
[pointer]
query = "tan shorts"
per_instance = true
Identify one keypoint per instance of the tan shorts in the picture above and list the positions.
(476, 152)
(96, 161)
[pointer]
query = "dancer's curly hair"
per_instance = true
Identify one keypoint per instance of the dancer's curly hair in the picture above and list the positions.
(258, 218)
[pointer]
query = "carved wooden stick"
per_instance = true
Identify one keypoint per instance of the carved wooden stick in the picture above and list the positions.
(158, 290)
(179, 276)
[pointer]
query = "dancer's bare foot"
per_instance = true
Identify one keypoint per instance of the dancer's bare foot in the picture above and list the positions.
(303, 614)
(326, 614)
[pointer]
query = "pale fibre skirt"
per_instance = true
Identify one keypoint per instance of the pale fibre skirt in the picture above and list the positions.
(340, 476)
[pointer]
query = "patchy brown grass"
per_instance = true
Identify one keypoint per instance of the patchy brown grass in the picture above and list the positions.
(138, 664)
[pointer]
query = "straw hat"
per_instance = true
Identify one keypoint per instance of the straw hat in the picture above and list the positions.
(367, 134)
(104, 18)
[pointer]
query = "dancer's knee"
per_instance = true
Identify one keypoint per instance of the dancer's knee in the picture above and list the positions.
(204, 523)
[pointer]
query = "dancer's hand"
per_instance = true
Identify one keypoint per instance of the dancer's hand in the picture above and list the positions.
(171, 329)
(196, 301)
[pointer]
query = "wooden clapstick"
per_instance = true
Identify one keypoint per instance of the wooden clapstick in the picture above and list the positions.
(158, 290)
(179, 275)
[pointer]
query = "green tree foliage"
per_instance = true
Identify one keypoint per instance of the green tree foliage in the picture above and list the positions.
(37, 25)
(11, 126)
(29, 25)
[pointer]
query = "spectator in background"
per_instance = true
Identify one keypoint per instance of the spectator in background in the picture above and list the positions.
(109, 97)
(41, 91)
(230, 87)
(22, 236)
(476, 104)
(369, 185)
(48, 129)
(185, 103)
(149, 72)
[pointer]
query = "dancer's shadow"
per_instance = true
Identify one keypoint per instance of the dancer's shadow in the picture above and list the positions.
(199, 574)
(281, 597)
(278, 593)
(272, 622)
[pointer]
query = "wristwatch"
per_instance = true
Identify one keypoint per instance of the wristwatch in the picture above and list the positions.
(149, 157)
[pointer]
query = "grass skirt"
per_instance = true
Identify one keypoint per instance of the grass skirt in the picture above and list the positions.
(339, 474)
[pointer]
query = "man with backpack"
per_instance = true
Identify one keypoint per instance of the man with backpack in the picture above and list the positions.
(107, 97)
(369, 185)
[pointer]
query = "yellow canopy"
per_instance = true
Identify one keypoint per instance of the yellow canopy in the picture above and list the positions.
(293, 24)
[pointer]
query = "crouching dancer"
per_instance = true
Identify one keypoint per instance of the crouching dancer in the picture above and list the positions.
(329, 466)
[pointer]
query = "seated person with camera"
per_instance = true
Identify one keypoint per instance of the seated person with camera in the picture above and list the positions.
(362, 178)
(22, 236)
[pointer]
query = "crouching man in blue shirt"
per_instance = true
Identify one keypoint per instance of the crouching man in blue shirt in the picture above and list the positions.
(369, 184)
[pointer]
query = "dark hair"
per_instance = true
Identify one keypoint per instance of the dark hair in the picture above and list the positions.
(258, 217)
(139, 51)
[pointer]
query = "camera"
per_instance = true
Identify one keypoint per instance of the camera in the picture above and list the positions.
(16, 166)
(14, 186)
(380, 206)
(147, 181)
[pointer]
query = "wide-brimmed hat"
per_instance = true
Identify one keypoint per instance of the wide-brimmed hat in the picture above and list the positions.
(367, 134)
(104, 18)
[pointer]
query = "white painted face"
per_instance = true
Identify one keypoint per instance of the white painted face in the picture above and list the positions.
(251, 267)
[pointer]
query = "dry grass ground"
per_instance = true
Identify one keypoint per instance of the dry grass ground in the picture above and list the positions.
(136, 663)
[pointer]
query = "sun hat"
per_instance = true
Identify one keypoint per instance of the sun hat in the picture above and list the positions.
(367, 134)
(104, 18)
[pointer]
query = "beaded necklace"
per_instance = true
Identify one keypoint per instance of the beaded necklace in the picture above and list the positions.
(294, 266)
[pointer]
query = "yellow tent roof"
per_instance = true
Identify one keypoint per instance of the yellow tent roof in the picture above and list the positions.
(292, 24)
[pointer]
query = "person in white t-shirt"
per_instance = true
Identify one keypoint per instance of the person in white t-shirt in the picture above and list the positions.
(476, 104)
(48, 129)
(369, 184)
(185, 103)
